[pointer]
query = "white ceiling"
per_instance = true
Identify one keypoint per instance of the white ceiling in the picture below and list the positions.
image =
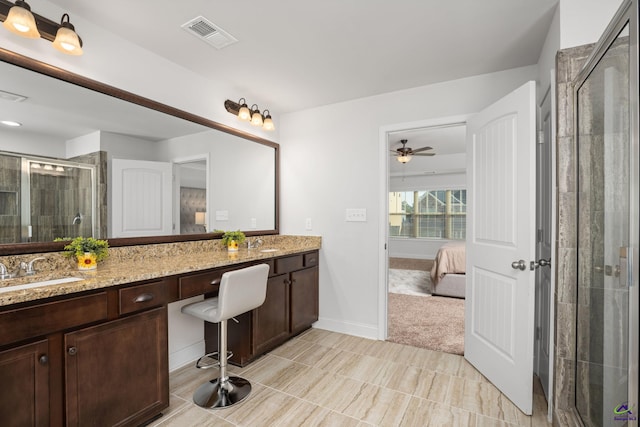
(293, 54)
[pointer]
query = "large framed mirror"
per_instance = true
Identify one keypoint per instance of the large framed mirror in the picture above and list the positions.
(91, 159)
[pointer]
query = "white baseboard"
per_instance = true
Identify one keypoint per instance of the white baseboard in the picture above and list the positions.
(356, 329)
(186, 355)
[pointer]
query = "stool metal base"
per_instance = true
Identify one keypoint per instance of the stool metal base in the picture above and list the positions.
(214, 394)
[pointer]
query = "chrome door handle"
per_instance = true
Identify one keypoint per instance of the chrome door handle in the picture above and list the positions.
(540, 263)
(519, 265)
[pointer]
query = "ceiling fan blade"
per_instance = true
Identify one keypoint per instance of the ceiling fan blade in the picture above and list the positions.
(422, 149)
(424, 154)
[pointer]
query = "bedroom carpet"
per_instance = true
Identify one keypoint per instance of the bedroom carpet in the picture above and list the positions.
(435, 323)
(410, 282)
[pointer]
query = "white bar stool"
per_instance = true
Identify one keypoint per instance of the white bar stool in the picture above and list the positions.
(240, 291)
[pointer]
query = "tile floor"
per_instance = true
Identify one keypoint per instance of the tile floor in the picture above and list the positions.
(323, 378)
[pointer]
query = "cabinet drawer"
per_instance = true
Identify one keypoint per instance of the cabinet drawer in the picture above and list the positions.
(310, 260)
(288, 263)
(34, 321)
(198, 284)
(141, 297)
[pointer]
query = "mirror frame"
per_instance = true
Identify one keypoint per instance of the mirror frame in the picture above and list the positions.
(34, 65)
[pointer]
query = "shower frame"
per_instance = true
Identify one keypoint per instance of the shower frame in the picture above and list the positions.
(25, 189)
(627, 14)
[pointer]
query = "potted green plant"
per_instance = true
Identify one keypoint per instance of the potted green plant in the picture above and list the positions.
(87, 251)
(231, 239)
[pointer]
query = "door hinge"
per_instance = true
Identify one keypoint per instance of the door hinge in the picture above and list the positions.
(538, 333)
(540, 137)
(540, 235)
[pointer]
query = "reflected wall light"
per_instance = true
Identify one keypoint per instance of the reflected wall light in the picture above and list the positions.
(252, 114)
(18, 18)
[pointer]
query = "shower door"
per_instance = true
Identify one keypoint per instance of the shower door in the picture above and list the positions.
(607, 236)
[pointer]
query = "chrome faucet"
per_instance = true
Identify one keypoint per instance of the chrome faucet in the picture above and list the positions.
(29, 269)
(256, 243)
(6, 274)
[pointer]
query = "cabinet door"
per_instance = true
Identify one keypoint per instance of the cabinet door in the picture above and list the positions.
(117, 372)
(271, 319)
(304, 299)
(24, 385)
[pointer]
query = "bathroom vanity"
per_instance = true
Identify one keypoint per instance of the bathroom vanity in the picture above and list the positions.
(97, 349)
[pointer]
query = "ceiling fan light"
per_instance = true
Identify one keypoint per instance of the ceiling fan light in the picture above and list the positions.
(20, 21)
(404, 159)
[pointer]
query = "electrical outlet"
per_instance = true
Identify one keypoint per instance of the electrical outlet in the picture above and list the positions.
(254, 223)
(307, 223)
(356, 215)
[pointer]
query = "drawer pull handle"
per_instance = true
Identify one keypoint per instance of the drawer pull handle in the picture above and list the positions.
(215, 282)
(143, 298)
(43, 359)
(72, 351)
(312, 260)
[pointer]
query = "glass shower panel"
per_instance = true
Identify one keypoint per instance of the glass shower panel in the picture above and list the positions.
(10, 218)
(61, 199)
(603, 141)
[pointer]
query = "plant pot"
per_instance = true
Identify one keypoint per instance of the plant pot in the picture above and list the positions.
(87, 262)
(232, 246)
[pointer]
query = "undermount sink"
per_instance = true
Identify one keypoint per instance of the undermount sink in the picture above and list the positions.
(39, 284)
(268, 250)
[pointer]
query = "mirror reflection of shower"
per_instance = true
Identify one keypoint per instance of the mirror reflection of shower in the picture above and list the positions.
(45, 198)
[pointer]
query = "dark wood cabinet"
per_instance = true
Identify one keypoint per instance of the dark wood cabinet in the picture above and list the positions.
(271, 319)
(97, 358)
(291, 306)
(100, 357)
(117, 372)
(304, 299)
(24, 385)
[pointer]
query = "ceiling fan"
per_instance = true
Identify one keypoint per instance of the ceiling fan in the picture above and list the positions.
(404, 153)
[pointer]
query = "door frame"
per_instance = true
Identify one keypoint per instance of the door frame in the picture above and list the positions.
(175, 190)
(383, 207)
(550, 93)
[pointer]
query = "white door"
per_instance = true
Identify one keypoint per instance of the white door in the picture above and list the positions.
(141, 198)
(499, 308)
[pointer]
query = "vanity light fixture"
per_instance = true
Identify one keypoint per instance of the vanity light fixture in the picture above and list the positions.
(251, 115)
(256, 117)
(244, 113)
(67, 41)
(268, 122)
(19, 19)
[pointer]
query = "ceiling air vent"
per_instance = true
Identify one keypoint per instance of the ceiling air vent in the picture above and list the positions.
(208, 32)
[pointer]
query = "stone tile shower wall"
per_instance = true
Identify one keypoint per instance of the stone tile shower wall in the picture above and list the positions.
(568, 64)
(580, 288)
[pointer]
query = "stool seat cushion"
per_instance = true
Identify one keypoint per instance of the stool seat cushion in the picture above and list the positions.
(240, 291)
(206, 310)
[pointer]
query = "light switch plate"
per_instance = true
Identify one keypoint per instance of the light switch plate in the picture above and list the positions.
(254, 223)
(356, 215)
(307, 224)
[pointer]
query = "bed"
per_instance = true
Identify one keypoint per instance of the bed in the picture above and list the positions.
(448, 271)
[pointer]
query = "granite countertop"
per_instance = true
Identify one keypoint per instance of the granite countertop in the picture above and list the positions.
(145, 263)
